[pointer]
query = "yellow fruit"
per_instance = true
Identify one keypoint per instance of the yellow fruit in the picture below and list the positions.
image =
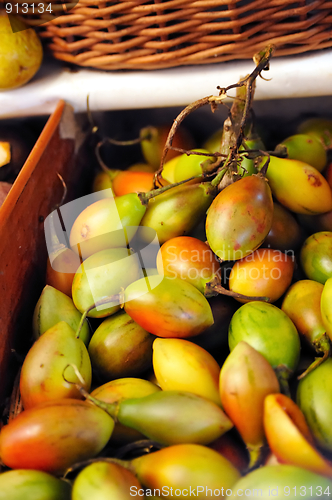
(21, 53)
(180, 365)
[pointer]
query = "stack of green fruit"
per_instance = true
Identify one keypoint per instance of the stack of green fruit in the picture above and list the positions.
(202, 364)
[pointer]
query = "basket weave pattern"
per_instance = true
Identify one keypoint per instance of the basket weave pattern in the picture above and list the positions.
(153, 34)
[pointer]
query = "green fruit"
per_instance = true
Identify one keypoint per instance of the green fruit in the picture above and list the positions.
(283, 481)
(312, 194)
(101, 275)
(104, 481)
(44, 371)
(314, 397)
(101, 181)
(316, 256)
(177, 211)
(21, 53)
(107, 223)
(32, 485)
(190, 165)
(153, 141)
(247, 166)
(54, 306)
(268, 330)
(124, 388)
(213, 143)
(239, 218)
(120, 348)
(305, 148)
(172, 417)
(321, 128)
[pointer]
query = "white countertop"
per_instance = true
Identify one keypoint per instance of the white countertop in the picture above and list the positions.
(306, 75)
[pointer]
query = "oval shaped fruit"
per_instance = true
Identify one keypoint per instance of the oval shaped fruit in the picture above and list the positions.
(246, 378)
(106, 223)
(172, 417)
(188, 258)
(103, 180)
(281, 481)
(54, 436)
(268, 330)
(213, 142)
(21, 52)
(54, 306)
(314, 397)
(313, 194)
(177, 211)
(132, 182)
(168, 170)
(190, 165)
(103, 480)
(168, 307)
(104, 274)
(263, 273)
(326, 307)
(42, 375)
(306, 148)
(316, 256)
(154, 139)
(120, 348)
(124, 388)
(285, 233)
(318, 127)
(240, 218)
(179, 364)
(302, 305)
(119, 389)
(289, 437)
(32, 485)
(186, 467)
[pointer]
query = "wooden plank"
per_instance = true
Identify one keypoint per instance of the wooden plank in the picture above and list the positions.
(23, 253)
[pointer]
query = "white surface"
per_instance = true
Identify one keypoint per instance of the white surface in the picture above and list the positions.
(306, 75)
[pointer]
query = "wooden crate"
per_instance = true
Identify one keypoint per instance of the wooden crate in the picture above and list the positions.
(23, 252)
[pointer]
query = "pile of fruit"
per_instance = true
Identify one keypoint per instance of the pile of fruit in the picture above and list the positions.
(182, 341)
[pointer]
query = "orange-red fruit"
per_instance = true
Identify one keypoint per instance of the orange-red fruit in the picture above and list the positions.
(189, 259)
(263, 273)
(54, 436)
(132, 182)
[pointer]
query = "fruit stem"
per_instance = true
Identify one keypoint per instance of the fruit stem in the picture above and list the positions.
(112, 172)
(314, 364)
(255, 456)
(214, 287)
(110, 408)
(145, 197)
(105, 300)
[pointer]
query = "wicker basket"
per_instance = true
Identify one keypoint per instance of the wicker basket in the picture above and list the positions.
(153, 34)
